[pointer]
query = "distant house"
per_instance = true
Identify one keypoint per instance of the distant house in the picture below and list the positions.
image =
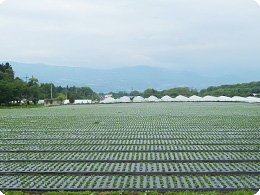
(41, 102)
(52, 102)
(82, 101)
(108, 95)
(78, 102)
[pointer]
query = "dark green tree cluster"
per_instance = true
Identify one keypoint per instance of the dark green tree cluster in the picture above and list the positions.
(15, 89)
(11, 89)
(244, 90)
(173, 92)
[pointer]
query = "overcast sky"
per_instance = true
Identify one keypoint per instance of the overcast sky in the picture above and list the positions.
(116, 33)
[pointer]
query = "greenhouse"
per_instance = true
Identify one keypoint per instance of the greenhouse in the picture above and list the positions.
(138, 99)
(167, 99)
(108, 100)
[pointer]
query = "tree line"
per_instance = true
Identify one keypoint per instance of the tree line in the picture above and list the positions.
(14, 89)
(244, 90)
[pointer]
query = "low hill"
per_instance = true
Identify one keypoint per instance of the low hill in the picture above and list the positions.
(243, 89)
(120, 79)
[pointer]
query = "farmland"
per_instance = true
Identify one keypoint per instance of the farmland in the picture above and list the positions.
(136, 146)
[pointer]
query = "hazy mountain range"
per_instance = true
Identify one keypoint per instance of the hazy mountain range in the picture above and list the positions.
(122, 79)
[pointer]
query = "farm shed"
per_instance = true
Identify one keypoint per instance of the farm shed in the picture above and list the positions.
(40, 102)
(52, 102)
(82, 101)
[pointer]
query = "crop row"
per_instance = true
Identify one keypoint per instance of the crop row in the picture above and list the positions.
(133, 156)
(131, 167)
(196, 130)
(128, 182)
(133, 132)
(127, 141)
(131, 127)
(134, 121)
(122, 136)
(130, 148)
(116, 136)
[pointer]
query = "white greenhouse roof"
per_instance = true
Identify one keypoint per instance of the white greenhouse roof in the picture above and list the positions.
(108, 100)
(210, 98)
(124, 99)
(153, 99)
(252, 99)
(195, 98)
(181, 98)
(138, 99)
(238, 99)
(167, 98)
(224, 99)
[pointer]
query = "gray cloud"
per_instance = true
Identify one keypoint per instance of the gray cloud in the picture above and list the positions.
(115, 33)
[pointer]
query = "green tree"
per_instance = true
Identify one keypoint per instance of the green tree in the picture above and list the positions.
(61, 97)
(135, 93)
(149, 92)
(32, 90)
(72, 99)
(7, 85)
(86, 93)
(6, 72)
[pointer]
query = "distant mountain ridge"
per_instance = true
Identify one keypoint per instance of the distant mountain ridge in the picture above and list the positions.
(120, 79)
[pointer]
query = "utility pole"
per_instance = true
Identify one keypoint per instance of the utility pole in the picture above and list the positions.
(51, 91)
(67, 92)
(26, 77)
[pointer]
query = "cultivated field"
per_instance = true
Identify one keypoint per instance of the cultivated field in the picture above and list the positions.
(135, 146)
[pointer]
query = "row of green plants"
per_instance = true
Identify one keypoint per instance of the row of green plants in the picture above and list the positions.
(121, 192)
(128, 147)
(137, 135)
(133, 155)
(155, 120)
(135, 131)
(118, 136)
(32, 142)
(131, 182)
(131, 167)
(134, 123)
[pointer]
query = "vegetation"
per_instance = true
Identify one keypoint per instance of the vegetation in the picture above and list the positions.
(14, 90)
(242, 192)
(145, 146)
(244, 90)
